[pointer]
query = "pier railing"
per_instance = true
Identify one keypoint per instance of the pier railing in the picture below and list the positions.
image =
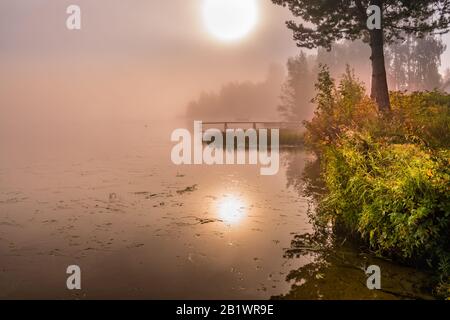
(254, 124)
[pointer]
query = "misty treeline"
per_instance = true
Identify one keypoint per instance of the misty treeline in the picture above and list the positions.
(411, 65)
(240, 100)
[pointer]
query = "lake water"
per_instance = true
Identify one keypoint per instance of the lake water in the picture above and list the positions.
(112, 202)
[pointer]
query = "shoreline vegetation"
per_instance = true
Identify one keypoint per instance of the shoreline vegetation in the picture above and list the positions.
(386, 176)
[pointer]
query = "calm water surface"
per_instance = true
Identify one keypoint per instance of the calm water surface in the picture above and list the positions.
(141, 227)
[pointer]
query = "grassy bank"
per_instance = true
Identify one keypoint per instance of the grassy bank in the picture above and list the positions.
(387, 176)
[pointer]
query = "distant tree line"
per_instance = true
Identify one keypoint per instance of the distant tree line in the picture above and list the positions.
(240, 100)
(411, 64)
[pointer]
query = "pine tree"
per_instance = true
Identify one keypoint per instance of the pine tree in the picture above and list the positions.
(332, 20)
(298, 90)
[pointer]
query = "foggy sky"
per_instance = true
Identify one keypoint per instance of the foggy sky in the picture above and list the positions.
(142, 55)
(136, 58)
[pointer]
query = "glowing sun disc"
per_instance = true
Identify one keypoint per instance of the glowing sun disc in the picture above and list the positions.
(230, 20)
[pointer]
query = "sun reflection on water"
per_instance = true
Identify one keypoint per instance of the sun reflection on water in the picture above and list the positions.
(231, 209)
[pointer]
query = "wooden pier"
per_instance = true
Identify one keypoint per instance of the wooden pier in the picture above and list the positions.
(224, 125)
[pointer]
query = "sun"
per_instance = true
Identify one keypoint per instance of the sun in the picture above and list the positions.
(230, 20)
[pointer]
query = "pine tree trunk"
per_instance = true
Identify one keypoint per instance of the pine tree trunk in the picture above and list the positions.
(380, 91)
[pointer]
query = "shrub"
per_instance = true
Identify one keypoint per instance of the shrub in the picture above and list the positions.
(424, 116)
(397, 197)
(338, 108)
